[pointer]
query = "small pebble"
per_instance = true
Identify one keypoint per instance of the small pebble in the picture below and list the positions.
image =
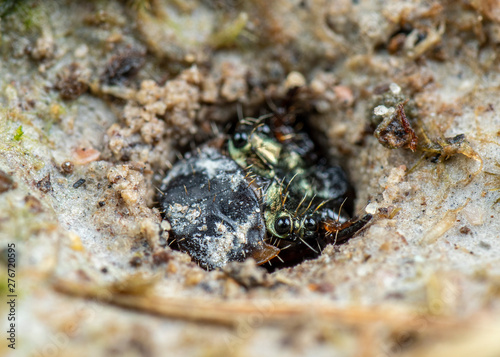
(67, 167)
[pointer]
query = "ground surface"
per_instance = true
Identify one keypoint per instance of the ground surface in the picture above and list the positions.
(119, 88)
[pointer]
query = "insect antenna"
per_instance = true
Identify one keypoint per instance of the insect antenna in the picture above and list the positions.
(320, 205)
(256, 127)
(239, 111)
(271, 105)
(215, 129)
(248, 121)
(340, 209)
(251, 182)
(172, 242)
(284, 199)
(300, 204)
(265, 116)
(336, 236)
(303, 241)
(286, 189)
(179, 156)
(159, 191)
(308, 206)
(289, 182)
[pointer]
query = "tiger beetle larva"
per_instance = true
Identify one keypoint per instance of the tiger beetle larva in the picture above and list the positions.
(304, 196)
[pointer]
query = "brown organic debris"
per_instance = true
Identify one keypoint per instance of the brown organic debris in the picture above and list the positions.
(6, 182)
(141, 297)
(44, 184)
(33, 204)
(443, 149)
(123, 66)
(448, 147)
(396, 132)
(72, 82)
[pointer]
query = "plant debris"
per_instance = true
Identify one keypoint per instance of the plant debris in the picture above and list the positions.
(123, 66)
(72, 81)
(44, 184)
(6, 182)
(396, 132)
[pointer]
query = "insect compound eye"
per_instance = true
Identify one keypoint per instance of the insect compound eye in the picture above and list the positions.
(283, 225)
(310, 224)
(240, 139)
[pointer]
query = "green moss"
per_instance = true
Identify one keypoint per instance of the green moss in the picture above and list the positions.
(226, 37)
(19, 133)
(8, 7)
(24, 16)
(12, 130)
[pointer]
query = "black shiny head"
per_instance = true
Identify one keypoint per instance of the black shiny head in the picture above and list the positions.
(311, 224)
(240, 139)
(283, 225)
